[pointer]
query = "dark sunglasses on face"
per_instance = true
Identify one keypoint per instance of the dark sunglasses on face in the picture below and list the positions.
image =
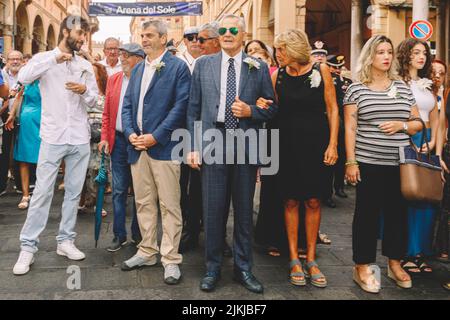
(203, 40)
(234, 31)
(191, 37)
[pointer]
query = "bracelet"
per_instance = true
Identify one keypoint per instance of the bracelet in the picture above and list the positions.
(352, 163)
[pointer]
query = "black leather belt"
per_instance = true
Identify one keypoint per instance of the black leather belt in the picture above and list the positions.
(220, 125)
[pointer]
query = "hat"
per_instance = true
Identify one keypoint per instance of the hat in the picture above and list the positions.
(319, 47)
(336, 61)
(190, 30)
(133, 48)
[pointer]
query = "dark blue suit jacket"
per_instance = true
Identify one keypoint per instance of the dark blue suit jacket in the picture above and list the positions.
(165, 105)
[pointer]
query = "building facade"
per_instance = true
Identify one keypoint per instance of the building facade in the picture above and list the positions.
(31, 26)
(344, 25)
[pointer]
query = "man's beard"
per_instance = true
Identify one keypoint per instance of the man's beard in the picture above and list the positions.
(71, 43)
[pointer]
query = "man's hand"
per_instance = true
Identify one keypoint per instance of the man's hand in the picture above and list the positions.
(263, 103)
(193, 160)
(240, 109)
(103, 144)
(144, 142)
(63, 57)
(133, 138)
(76, 88)
(9, 124)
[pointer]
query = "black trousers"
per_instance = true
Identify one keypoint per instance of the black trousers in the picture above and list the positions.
(379, 191)
(191, 201)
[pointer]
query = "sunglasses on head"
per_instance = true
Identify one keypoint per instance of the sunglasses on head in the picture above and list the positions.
(234, 31)
(191, 37)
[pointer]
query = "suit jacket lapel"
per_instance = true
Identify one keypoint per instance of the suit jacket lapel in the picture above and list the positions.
(216, 65)
(157, 74)
(244, 74)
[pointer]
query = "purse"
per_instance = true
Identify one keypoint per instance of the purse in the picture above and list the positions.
(420, 173)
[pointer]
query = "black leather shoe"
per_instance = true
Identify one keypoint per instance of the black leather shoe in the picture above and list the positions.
(248, 280)
(330, 203)
(341, 193)
(227, 252)
(209, 281)
(117, 244)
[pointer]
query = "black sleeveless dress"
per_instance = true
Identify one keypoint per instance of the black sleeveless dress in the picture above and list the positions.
(304, 137)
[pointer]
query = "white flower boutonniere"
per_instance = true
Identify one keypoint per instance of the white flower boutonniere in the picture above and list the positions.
(252, 63)
(393, 93)
(159, 66)
(424, 84)
(315, 79)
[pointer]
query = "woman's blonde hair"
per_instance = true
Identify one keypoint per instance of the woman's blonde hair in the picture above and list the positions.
(368, 52)
(296, 43)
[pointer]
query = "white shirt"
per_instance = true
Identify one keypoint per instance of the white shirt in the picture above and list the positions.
(123, 90)
(147, 77)
(11, 80)
(64, 119)
(189, 59)
(223, 81)
(425, 100)
(111, 70)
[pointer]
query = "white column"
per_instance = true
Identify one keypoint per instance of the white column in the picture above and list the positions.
(420, 9)
(356, 35)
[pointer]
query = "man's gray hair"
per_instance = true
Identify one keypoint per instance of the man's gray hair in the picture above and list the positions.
(110, 39)
(159, 25)
(212, 28)
(240, 20)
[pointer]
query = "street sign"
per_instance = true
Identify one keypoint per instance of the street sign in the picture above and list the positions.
(421, 30)
(154, 9)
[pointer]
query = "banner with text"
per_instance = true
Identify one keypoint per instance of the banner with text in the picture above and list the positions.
(146, 9)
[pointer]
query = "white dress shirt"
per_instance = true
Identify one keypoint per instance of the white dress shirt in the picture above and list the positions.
(123, 90)
(11, 80)
(64, 118)
(223, 81)
(147, 77)
(189, 59)
(111, 70)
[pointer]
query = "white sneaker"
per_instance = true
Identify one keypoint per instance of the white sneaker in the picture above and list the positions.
(68, 249)
(22, 266)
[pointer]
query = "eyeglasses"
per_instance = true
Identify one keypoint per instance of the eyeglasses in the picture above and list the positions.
(234, 31)
(127, 55)
(203, 40)
(439, 73)
(191, 37)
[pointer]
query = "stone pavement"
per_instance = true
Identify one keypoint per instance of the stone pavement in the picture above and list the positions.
(101, 277)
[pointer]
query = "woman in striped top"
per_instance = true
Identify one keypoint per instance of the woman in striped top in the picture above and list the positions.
(377, 110)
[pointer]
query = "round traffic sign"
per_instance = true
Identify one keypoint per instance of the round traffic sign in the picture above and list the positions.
(421, 30)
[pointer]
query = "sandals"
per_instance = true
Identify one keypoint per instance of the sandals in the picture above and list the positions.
(410, 266)
(273, 252)
(373, 286)
(423, 266)
(323, 239)
(24, 203)
(294, 275)
(405, 284)
(315, 277)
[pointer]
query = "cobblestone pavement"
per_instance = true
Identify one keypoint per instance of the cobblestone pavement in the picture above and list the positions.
(101, 277)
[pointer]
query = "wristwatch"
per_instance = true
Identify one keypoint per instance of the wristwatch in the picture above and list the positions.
(405, 127)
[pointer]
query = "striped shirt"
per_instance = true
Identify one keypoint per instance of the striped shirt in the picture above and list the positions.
(373, 109)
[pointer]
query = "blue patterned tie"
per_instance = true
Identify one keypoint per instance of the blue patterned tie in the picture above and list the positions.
(230, 120)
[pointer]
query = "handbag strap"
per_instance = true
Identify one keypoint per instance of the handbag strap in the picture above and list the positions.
(424, 134)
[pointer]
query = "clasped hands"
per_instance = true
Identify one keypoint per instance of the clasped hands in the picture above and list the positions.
(142, 142)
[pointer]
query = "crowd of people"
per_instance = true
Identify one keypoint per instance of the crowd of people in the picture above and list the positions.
(64, 106)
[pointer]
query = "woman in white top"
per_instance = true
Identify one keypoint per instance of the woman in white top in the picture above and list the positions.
(415, 61)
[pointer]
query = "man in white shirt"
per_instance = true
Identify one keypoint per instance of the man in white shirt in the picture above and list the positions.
(193, 51)
(68, 87)
(111, 61)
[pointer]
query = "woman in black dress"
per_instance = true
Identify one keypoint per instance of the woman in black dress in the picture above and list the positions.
(308, 122)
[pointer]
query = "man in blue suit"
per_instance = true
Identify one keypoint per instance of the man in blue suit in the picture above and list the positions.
(224, 91)
(154, 106)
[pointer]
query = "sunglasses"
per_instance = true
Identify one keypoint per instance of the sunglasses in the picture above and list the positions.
(192, 37)
(203, 40)
(234, 31)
